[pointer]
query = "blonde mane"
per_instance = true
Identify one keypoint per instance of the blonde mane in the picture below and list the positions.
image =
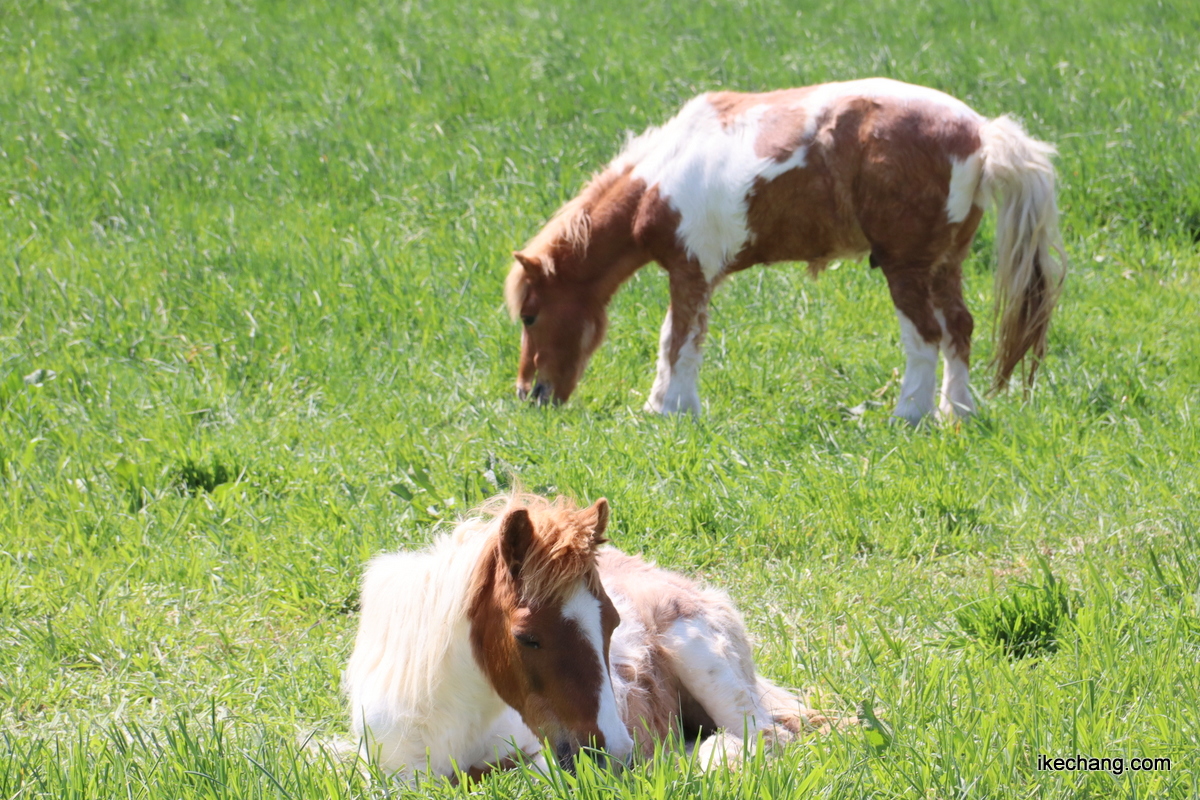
(415, 604)
(568, 232)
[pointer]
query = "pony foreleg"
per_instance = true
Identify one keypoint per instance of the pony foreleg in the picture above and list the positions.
(676, 383)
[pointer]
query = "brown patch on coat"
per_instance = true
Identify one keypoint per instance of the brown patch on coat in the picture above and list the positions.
(731, 105)
(876, 179)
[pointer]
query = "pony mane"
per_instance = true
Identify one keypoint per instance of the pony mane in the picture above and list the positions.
(568, 232)
(415, 604)
(563, 550)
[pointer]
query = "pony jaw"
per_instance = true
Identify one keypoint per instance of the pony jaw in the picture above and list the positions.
(551, 367)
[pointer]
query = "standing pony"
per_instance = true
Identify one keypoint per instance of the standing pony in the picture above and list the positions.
(514, 630)
(871, 167)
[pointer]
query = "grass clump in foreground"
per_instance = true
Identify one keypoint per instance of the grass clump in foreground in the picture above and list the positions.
(1023, 623)
(271, 238)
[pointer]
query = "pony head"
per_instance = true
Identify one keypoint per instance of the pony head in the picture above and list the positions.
(563, 323)
(541, 624)
(562, 280)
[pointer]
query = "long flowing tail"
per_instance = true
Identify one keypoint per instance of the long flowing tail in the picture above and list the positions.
(1018, 176)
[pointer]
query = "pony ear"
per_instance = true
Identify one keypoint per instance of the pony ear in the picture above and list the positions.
(516, 535)
(596, 518)
(534, 268)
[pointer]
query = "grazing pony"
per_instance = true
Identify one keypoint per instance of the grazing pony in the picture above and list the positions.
(871, 167)
(515, 629)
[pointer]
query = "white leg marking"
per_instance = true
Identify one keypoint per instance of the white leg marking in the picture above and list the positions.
(722, 750)
(920, 373)
(676, 386)
(956, 392)
(584, 609)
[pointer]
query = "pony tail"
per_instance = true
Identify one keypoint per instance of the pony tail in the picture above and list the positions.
(1031, 262)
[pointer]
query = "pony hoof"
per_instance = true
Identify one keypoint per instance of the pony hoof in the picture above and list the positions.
(912, 419)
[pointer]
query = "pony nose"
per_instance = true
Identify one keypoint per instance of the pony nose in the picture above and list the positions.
(542, 393)
(564, 752)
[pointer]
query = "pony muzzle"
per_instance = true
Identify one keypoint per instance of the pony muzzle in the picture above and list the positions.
(540, 393)
(543, 394)
(567, 752)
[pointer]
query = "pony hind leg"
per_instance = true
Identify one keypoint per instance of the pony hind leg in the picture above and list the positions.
(957, 326)
(921, 334)
(676, 382)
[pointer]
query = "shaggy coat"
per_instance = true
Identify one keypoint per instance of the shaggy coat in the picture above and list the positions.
(517, 628)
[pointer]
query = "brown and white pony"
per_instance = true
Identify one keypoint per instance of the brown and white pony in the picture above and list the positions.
(871, 167)
(515, 630)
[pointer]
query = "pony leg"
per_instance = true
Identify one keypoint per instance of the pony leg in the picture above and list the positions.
(676, 386)
(711, 659)
(957, 326)
(920, 333)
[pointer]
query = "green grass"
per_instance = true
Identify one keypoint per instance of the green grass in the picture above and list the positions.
(261, 249)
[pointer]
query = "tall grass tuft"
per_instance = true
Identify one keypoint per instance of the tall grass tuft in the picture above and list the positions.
(1023, 623)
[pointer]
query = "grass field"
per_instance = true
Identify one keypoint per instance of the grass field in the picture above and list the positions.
(256, 253)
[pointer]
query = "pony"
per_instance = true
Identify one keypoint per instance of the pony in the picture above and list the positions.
(518, 630)
(874, 167)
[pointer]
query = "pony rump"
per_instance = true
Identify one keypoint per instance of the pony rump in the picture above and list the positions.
(1031, 262)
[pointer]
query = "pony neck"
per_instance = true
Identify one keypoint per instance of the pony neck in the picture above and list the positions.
(609, 253)
(417, 694)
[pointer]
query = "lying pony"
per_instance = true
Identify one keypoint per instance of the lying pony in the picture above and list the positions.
(518, 629)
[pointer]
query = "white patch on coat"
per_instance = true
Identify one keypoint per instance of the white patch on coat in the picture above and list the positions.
(964, 183)
(705, 168)
(676, 385)
(508, 734)
(583, 608)
(920, 373)
(628, 650)
(956, 399)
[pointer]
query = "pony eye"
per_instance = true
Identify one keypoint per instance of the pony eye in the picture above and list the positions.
(528, 319)
(526, 640)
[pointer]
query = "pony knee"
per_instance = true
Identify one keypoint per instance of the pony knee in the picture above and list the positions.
(958, 326)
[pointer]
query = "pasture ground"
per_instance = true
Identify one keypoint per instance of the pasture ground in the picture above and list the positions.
(257, 250)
